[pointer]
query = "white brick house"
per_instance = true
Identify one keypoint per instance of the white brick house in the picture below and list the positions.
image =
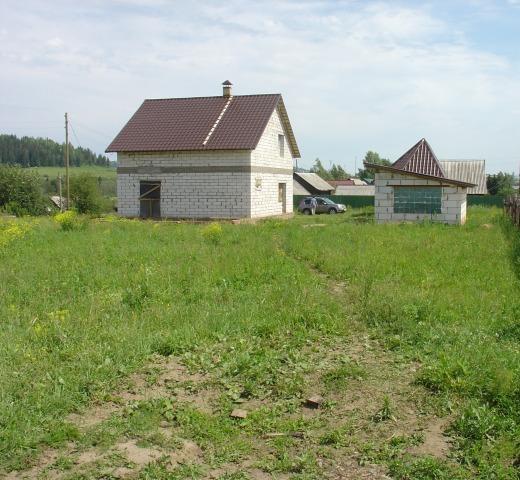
(206, 157)
(415, 188)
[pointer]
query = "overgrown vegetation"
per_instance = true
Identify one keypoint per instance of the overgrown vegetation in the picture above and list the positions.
(20, 192)
(249, 313)
(85, 194)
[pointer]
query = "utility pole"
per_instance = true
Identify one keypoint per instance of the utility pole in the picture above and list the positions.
(67, 184)
(59, 193)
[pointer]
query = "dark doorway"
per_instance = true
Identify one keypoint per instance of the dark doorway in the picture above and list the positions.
(150, 199)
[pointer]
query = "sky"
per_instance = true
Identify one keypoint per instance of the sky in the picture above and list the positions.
(355, 75)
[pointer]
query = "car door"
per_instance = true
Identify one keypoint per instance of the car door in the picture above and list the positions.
(322, 206)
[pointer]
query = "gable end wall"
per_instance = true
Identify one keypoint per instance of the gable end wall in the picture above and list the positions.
(264, 186)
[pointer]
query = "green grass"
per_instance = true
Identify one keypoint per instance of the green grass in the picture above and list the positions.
(82, 309)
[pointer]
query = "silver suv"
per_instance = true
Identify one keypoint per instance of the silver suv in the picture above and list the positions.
(324, 205)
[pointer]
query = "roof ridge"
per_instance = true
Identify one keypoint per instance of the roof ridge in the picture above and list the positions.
(212, 96)
(420, 158)
(217, 121)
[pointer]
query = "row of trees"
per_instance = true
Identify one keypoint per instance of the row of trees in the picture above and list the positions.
(44, 152)
(337, 172)
(501, 183)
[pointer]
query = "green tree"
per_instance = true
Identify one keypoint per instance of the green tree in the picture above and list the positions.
(501, 183)
(371, 157)
(85, 194)
(338, 173)
(20, 191)
(320, 170)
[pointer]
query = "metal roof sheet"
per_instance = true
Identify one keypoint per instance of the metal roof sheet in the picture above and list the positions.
(420, 159)
(299, 189)
(471, 171)
(315, 181)
(202, 123)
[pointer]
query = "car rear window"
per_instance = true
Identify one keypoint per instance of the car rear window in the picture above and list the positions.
(307, 201)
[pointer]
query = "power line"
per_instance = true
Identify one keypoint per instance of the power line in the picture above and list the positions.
(104, 135)
(74, 132)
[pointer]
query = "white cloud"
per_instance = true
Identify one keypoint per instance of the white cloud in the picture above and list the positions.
(354, 76)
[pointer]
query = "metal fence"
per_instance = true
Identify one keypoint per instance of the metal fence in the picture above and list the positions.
(368, 201)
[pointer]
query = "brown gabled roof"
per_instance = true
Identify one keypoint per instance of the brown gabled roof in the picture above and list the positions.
(202, 123)
(420, 159)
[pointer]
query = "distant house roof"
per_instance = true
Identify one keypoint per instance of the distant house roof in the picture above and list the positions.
(420, 161)
(355, 190)
(202, 123)
(471, 171)
(336, 183)
(347, 181)
(313, 183)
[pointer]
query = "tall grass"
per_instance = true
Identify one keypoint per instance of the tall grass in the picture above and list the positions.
(447, 297)
(81, 308)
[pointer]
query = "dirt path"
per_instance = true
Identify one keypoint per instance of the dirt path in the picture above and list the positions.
(169, 421)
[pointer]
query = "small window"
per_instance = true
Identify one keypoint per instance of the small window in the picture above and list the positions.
(417, 200)
(281, 144)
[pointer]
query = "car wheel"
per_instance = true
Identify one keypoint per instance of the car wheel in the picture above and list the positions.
(306, 211)
(332, 211)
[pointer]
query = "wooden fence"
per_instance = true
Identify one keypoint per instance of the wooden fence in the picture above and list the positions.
(512, 208)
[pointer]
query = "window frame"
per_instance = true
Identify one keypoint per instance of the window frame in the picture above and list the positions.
(281, 144)
(417, 199)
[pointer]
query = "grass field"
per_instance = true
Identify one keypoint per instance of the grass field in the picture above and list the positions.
(126, 345)
(53, 172)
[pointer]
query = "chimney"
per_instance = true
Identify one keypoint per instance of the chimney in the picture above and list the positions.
(226, 89)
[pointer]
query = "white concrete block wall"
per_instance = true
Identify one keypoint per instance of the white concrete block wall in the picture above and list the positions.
(190, 195)
(264, 198)
(264, 195)
(453, 200)
(267, 152)
(186, 159)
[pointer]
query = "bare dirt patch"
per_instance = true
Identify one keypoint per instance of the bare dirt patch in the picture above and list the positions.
(435, 443)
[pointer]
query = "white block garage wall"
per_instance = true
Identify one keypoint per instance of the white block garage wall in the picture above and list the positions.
(269, 169)
(188, 194)
(453, 200)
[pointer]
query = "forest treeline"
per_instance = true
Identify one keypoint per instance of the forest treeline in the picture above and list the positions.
(44, 152)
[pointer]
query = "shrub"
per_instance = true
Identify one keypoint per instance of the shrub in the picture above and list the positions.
(20, 192)
(212, 233)
(68, 220)
(85, 194)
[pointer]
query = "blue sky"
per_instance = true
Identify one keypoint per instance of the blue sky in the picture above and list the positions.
(355, 75)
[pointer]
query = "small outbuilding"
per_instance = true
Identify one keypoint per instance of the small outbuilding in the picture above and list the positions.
(416, 188)
(228, 156)
(308, 183)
